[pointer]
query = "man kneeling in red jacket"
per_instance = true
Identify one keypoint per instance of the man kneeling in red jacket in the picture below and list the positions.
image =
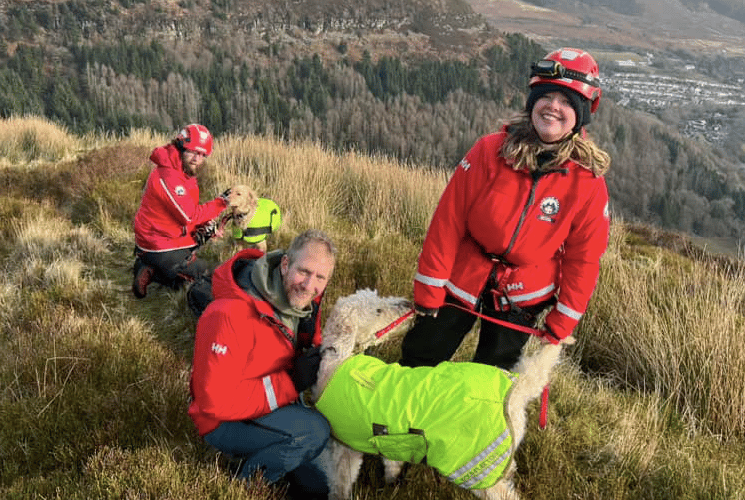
(256, 349)
(170, 223)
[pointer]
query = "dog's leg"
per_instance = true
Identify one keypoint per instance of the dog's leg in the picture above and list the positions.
(392, 470)
(503, 490)
(345, 467)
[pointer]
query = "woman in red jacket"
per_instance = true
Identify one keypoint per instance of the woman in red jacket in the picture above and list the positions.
(520, 227)
(169, 218)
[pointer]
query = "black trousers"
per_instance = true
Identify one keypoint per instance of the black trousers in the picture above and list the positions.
(175, 267)
(432, 340)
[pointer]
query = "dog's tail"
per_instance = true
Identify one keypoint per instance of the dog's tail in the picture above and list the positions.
(535, 372)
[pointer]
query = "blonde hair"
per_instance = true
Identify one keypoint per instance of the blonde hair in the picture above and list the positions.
(310, 235)
(522, 147)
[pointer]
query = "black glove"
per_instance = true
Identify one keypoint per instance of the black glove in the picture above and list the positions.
(203, 233)
(305, 372)
(424, 311)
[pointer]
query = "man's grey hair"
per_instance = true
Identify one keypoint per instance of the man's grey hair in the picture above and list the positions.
(308, 236)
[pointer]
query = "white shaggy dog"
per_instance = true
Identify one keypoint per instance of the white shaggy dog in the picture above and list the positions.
(352, 326)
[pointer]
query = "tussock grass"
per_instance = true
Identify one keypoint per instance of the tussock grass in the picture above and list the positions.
(27, 139)
(46, 237)
(94, 383)
(672, 326)
(318, 188)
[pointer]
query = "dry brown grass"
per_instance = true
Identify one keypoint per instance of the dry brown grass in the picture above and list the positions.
(26, 139)
(94, 382)
(672, 326)
(319, 188)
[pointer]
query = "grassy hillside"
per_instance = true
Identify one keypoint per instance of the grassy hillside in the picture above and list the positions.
(93, 383)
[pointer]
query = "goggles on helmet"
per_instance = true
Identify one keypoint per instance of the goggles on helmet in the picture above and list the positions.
(555, 70)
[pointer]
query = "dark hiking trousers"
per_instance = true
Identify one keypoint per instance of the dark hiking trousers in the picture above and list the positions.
(285, 443)
(174, 267)
(435, 339)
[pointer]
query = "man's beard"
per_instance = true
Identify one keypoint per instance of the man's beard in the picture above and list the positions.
(190, 170)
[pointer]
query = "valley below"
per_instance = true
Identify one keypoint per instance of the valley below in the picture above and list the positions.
(686, 67)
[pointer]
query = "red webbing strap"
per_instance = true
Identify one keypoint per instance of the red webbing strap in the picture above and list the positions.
(393, 325)
(224, 221)
(512, 326)
(543, 419)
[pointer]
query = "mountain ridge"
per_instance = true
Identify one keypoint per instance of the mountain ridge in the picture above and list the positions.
(660, 25)
(443, 28)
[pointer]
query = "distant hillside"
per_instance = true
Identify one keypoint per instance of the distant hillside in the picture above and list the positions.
(191, 24)
(713, 28)
(418, 81)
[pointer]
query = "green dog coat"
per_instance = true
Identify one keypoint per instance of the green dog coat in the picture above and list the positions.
(452, 414)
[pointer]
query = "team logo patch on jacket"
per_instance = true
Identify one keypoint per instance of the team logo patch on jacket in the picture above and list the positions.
(452, 414)
(180, 190)
(549, 209)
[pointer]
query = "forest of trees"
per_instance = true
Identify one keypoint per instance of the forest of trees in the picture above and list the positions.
(379, 106)
(427, 111)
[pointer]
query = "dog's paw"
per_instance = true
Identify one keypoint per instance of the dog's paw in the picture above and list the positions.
(394, 471)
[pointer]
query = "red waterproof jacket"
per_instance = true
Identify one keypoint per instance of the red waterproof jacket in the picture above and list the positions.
(242, 353)
(170, 210)
(552, 229)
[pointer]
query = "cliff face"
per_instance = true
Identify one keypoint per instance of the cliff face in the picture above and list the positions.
(442, 28)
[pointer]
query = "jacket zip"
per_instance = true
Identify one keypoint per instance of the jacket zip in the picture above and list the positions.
(523, 215)
(274, 320)
(528, 204)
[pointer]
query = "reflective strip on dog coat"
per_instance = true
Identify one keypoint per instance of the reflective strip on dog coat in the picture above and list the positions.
(452, 414)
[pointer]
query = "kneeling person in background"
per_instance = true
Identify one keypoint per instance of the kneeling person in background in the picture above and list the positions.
(170, 223)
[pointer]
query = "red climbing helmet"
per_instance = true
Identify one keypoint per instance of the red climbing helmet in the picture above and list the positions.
(195, 137)
(571, 68)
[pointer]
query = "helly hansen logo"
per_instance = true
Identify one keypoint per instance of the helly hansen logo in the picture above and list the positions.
(515, 286)
(219, 349)
(464, 163)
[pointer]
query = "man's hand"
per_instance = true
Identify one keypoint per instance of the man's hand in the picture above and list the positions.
(305, 372)
(203, 233)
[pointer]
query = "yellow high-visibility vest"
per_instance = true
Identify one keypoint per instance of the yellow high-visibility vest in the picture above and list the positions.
(266, 220)
(452, 414)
